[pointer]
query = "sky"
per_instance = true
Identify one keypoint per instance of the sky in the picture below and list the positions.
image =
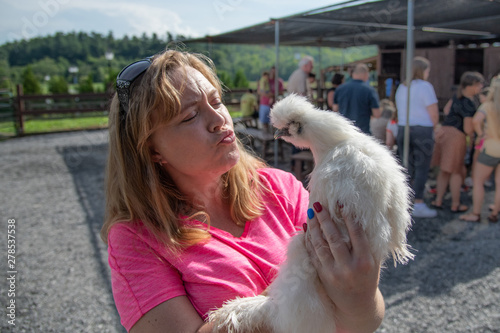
(25, 19)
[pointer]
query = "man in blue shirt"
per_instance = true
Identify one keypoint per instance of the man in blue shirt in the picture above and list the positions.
(357, 100)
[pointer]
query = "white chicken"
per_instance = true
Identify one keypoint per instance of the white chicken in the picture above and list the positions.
(352, 170)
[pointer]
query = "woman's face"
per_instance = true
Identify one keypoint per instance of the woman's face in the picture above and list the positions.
(478, 86)
(426, 73)
(200, 141)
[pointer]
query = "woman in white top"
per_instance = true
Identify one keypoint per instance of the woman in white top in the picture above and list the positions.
(424, 115)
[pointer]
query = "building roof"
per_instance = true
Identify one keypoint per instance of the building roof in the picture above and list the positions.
(376, 22)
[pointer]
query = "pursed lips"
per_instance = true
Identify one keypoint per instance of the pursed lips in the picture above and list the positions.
(227, 137)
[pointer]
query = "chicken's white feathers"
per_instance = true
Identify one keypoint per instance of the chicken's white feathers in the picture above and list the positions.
(353, 170)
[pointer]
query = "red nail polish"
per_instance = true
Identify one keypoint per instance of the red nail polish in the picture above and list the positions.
(304, 227)
(317, 207)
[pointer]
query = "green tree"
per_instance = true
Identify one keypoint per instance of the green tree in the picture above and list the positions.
(58, 85)
(5, 82)
(31, 85)
(86, 85)
(240, 79)
(110, 80)
(225, 78)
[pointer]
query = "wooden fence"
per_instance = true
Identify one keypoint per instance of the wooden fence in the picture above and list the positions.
(40, 105)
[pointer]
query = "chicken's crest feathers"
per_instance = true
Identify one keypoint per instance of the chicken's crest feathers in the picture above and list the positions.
(305, 126)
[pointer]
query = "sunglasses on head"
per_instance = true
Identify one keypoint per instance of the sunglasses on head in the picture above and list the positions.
(125, 79)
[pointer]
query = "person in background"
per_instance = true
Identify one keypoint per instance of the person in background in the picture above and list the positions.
(486, 124)
(451, 141)
(424, 115)
(194, 220)
(281, 86)
(477, 144)
(248, 105)
(298, 82)
(378, 126)
(266, 92)
(337, 80)
(392, 132)
(265, 97)
(357, 100)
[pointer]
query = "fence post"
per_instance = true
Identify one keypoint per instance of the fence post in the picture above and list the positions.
(19, 110)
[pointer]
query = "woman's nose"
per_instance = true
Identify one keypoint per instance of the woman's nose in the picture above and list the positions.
(216, 118)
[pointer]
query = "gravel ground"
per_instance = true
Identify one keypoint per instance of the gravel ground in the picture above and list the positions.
(53, 188)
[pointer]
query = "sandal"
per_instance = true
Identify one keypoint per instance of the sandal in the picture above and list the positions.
(460, 209)
(470, 217)
(493, 218)
(433, 205)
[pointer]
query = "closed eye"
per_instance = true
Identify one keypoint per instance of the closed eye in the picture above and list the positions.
(191, 117)
(216, 103)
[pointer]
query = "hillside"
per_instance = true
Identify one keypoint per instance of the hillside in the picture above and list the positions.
(53, 55)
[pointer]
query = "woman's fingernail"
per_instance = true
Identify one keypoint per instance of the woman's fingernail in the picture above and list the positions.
(310, 213)
(317, 207)
(304, 227)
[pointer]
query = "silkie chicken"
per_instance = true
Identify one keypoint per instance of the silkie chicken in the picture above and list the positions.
(351, 170)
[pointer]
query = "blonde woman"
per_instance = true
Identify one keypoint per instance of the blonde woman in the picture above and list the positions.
(486, 124)
(193, 220)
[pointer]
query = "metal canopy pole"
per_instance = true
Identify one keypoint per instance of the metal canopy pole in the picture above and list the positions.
(276, 79)
(409, 61)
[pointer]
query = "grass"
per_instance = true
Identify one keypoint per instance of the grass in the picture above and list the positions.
(70, 123)
(33, 126)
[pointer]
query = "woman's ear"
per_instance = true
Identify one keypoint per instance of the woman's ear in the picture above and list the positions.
(155, 155)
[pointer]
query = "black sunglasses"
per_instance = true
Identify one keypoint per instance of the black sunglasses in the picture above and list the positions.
(126, 77)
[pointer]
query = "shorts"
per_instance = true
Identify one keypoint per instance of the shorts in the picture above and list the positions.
(488, 160)
(449, 150)
(264, 111)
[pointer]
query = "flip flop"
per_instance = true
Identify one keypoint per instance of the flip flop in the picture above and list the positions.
(470, 217)
(433, 205)
(460, 209)
(493, 218)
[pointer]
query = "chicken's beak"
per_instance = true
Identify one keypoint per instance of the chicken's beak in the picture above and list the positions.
(281, 132)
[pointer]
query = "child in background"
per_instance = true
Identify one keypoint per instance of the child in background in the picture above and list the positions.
(391, 133)
(378, 126)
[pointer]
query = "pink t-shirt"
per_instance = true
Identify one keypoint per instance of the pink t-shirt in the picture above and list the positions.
(144, 273)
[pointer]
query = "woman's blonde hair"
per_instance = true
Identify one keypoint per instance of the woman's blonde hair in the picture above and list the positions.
(139, 190)
(420, 65)
(492, 108)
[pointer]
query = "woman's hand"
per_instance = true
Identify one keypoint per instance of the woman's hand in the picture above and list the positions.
(348, 271)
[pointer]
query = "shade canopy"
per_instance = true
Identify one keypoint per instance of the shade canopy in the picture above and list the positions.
(376, 22)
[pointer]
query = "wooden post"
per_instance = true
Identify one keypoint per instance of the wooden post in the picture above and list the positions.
(19, 110)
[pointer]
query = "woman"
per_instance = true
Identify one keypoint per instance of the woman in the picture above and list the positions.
(488, 136)
(337, 80)
(424, 115)
(451, 141)
(194, 220)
